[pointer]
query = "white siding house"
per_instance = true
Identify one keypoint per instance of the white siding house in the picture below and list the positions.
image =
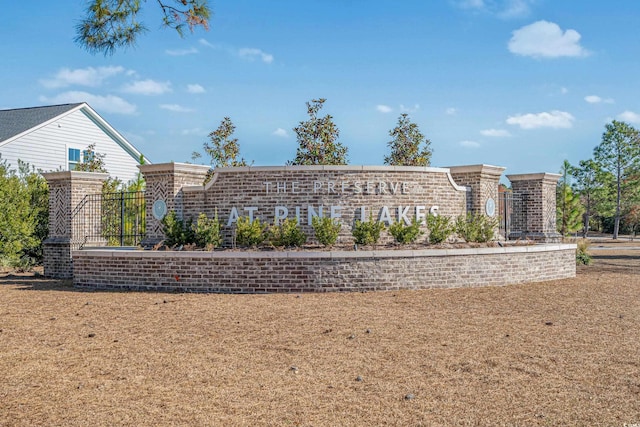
(55, 138)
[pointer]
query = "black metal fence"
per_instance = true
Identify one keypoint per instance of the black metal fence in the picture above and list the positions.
(512, 211)
(111, 219)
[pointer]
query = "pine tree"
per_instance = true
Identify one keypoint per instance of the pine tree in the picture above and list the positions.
(618, 153)
(569, 209)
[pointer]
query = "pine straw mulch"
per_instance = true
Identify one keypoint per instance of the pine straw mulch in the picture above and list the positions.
(547, 354)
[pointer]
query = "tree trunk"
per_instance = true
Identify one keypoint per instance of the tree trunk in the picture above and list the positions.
(587, 217)
(616, 224)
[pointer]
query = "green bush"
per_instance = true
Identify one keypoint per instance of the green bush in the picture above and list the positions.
(326, 230)
(24, 216)
(582, 252)
(176, 231)
(249, 233)
(403, 233)
(476, 228)
(287, 234)
(367, 232)
(440, 228)
(207, 232)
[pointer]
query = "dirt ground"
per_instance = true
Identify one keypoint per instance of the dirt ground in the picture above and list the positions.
(557, 353)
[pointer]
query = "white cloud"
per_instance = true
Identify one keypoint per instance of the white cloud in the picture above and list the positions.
(554, 119)
(564, 90)
(470, 144)
(545, 39)
(515, 9)
(471, 4)
(194, 131)
(496, 133)
(176, 108)
(253, 53)
(147, 87)
(381, 108)
(413, 109)
(109, 103)
(181, 52)
(281, 133)
(595, 99)
(204, 42)
(629, 116)
(451, 111)
(89, 76)
(195, 88)
(505, 9)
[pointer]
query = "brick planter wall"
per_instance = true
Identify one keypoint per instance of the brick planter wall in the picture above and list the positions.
(263, 272)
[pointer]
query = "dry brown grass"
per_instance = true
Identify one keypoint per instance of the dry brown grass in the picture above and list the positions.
(556, 353)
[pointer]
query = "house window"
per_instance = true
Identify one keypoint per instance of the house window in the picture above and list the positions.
(73, 158)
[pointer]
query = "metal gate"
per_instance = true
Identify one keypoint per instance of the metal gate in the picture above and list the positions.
(109, 219)
(512, 210)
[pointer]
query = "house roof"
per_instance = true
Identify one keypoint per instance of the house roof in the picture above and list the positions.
(17, 121)
(21, 121)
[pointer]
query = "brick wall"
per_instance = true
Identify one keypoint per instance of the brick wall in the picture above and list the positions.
(348, 187)
(536, 215)
(68, 222)
(262, 272)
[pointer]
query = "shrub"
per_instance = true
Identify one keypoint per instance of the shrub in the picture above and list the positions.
(24, 217)
(476, 228)
(287, 234)
(367, 232)
(440, 228)
(326, 230)
(403, 233)
(582, 253)
(176, 231)
(249, 233)
(207, 232)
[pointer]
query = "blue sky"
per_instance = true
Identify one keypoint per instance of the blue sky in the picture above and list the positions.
(517, 83)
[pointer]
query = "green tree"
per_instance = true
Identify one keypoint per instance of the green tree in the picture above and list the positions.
(618, 153)
(91, 161)
(223, 149)
(568, 206)
(111, 24)
(409, 147)
(24, 217)
(592, 184)
(318, 139)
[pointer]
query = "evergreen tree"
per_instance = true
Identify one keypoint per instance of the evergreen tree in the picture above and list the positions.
(409, 147)
(569, 210)
(618, 153)
(223, 149)
(592, 184)
(112, 24)
(318, 139)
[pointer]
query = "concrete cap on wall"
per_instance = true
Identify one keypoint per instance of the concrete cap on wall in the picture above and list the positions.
(541, 176)
(482, 168)
(75, 175)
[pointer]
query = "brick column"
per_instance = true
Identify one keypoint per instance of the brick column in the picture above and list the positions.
(67, 190)
(534, 206)
(483, 181)
(164, 181)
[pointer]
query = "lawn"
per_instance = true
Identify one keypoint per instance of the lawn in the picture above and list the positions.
(557, 353)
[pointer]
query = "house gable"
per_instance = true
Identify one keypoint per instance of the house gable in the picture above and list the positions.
(46, 145)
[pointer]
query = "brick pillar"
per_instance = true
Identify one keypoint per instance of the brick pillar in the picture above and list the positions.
(534, 206)
(164, 181)
(67, 190)
(483, 181)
